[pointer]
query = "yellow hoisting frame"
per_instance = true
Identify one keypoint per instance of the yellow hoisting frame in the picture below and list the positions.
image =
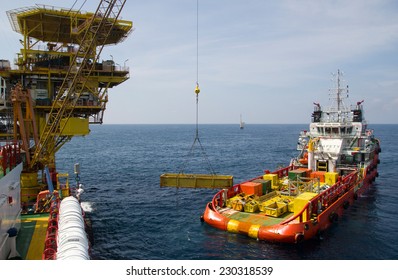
(181, 180)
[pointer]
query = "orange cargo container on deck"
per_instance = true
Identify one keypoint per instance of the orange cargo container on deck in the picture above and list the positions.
(318, 174)
(252, 188)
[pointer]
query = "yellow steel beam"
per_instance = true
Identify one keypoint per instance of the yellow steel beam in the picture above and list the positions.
(182, 180)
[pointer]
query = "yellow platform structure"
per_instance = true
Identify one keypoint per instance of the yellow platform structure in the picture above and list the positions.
(61, 70)
(75, 126)
(51, 24)
(181, 180)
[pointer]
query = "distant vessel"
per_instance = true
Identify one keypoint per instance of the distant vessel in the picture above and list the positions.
(337, 162)
(242, 123)
(56, 89)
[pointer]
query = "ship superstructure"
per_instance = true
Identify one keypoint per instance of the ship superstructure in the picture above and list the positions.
(338, 136)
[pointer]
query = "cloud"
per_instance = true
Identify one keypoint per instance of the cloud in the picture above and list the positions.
(259, 58)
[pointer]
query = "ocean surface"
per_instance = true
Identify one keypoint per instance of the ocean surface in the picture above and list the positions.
(134, 218)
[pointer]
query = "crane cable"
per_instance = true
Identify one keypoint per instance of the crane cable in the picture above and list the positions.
(197, 91)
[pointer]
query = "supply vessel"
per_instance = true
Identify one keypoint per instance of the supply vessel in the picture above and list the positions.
(337, 162)
(56, 87)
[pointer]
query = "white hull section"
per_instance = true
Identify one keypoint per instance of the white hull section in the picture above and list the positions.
(10, 208)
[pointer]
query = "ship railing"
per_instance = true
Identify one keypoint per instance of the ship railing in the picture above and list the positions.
(323, 200)
(28, 206)
(10, 157)
(51, 244)
(313, 208)
(219, 198)
(282, 172)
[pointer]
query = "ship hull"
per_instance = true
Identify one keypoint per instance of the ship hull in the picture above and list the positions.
(10, 210)
(293, 229)
(337, 163)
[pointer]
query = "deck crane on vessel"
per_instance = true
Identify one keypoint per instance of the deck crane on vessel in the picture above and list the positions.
(67, 82)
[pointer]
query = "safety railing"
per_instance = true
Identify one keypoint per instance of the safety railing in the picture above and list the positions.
(10, 156)
(218, 199)
(50, 245)
(315, 205)
(325, 198)
(282, 172)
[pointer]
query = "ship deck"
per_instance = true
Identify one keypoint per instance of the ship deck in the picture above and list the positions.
(254, 218)
(31, 237)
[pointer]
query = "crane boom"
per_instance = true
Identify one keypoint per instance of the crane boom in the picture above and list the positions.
(27, 124)
(91, 34)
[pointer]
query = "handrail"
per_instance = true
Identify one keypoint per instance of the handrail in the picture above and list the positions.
(282, 172)
(327, 197)
(10, 156)
(50, 248)
(234, 190)
(217, 200)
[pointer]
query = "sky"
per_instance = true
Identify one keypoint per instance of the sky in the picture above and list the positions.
(265, 60)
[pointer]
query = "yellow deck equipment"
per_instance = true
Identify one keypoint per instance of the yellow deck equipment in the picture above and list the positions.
(181, 180)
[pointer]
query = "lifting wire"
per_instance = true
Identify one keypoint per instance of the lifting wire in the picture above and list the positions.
(186, 180)
(197, 90)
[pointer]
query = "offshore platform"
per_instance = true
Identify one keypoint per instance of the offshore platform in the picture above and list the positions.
(56, 87)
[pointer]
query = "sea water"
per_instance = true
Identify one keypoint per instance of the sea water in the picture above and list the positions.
(134, 218)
